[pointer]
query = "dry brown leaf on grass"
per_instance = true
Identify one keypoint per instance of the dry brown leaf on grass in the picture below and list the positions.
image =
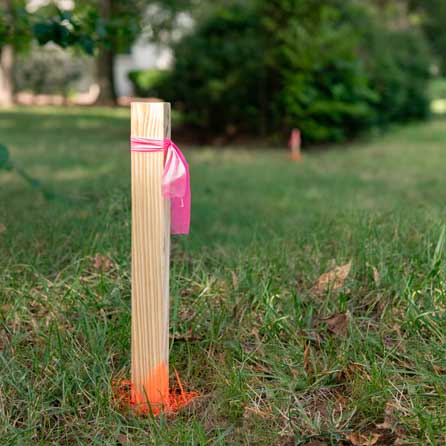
(357, 439)
(102, 263)
(6, 308)
(186, 314)
(123, 439)
(439, 370)
(2, 228)
(333, 279)
(386, 433)
(392, 432)
(389, 421)
(336, 323)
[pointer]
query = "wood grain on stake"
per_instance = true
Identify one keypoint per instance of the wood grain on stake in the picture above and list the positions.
(150, 261)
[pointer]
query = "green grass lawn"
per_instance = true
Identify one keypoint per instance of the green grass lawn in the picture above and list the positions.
(276, 359)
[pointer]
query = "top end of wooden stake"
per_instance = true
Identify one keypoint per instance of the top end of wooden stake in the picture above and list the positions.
(150, 119)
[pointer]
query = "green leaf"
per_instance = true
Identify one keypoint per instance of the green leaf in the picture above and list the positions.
(87, 44)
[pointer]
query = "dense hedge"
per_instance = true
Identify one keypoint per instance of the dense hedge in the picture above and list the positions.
(323, 87)
(330, 68)
(398, 66)
(219, 73)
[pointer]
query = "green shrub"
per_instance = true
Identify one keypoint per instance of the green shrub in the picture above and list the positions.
(323, 89)
(146, 83)
(218, 73)
(398, 68)
(329, 68)
(49, 70)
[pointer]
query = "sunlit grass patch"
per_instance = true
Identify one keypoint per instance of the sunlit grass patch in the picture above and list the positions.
(439, 106)
(438, 94)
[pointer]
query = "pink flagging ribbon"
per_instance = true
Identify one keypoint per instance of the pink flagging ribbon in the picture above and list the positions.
(175, 180)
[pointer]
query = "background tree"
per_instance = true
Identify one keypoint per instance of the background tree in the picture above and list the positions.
(14, 35)
(115, 25)
(101, 27)
(18, 27)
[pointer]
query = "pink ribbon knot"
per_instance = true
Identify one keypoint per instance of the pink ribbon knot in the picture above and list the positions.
(175, 179)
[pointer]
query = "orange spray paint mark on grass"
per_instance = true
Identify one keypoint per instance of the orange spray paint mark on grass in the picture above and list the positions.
(155, 399)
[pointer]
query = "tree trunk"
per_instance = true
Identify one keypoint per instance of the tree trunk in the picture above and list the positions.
(6, 76)
(105, 77)
(105, 60)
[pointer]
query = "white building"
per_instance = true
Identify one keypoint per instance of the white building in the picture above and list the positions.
(143, 55)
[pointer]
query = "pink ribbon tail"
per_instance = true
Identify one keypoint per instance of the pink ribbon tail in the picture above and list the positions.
(176, 186)
(175, 180)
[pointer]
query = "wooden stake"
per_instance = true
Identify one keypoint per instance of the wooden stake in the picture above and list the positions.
(294, 144)
(150, 262)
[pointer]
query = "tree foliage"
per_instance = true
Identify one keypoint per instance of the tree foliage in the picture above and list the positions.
(18, 27)
(15, 28)
(64, 29)
(330, 68)
(86, 25)
(100, 27)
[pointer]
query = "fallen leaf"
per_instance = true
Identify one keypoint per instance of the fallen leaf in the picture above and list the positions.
(439, 370)
(388, 422)
(98, 261)
(357, 439)
(385, 425)
(102, 263)
(186, 314)
(6, 308)
(2, 228)
(390, 429)
(337, 323)
(333, 279)
(313, 336)
(123, 439)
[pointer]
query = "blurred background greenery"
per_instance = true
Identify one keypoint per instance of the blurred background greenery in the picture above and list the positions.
(333, 69)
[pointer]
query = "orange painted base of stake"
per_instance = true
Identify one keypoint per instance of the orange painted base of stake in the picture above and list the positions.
(154, 403)
(155, 391)
(296, 156)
